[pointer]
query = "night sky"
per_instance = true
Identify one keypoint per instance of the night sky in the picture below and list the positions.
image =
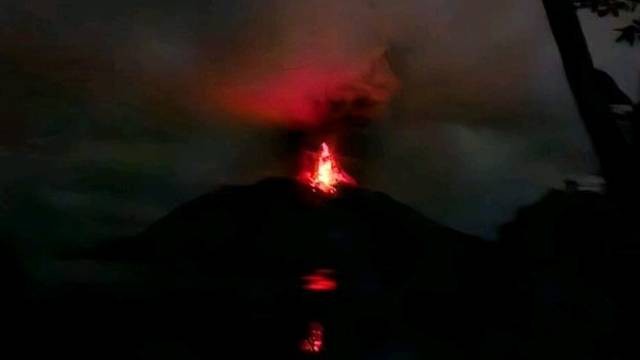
(112, 113)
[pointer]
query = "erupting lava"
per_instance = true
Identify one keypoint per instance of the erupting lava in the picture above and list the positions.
(326, 174)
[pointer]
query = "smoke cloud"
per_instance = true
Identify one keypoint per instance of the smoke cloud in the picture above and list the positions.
(475, 116)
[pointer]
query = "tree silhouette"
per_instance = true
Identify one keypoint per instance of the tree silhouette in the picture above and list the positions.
(629, 33)
(615, 154)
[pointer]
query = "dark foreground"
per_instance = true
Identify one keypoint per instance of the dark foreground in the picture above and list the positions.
(221, 277)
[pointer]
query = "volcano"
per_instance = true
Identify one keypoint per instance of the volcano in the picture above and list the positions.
(236, 260)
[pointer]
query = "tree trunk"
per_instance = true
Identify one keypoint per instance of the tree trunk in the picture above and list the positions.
(607, 139)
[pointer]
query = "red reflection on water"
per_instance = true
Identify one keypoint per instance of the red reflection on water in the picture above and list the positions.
(314, 343)
(320, 281)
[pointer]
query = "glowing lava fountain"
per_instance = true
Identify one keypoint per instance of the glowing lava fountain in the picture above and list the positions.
(326, 174)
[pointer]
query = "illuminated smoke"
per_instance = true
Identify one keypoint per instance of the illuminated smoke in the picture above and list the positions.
(308, 96)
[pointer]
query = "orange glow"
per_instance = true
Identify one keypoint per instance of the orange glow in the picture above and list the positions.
(326, 174)
(320, 281)
(314, 343)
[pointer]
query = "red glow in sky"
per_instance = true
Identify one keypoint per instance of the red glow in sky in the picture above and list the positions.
(292, 97)
(298, 92)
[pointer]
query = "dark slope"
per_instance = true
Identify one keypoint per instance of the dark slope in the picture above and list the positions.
(280, 224)
(573, 256)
